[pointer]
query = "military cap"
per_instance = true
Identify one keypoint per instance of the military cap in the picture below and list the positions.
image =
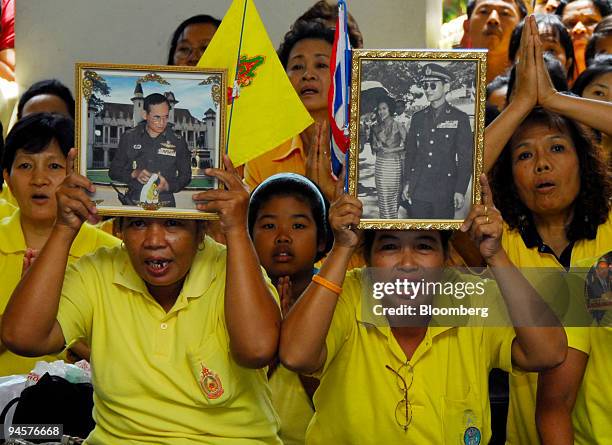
(433, 71)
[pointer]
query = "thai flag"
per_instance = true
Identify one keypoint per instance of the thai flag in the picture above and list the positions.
(339, 92)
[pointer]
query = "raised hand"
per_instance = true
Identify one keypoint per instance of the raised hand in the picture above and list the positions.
(231, 204)
(73, 203)
(344, 216)
(484, 223)
(526, 82)
(318, 161)
(546, 89)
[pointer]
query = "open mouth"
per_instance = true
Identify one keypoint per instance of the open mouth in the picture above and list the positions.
(157, 266)
(308, 91)
(282, 256)
(545, 186)
(40, 198)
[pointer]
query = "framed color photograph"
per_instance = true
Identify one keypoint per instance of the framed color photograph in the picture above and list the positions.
(416, 126)
(146, 134)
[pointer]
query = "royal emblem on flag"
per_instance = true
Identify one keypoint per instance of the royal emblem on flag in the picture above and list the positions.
(210, 383)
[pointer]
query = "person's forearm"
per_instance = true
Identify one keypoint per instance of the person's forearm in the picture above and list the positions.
(539, 334)
(302, 345)
(6, 72)
(252, 316)
(596, 114)
(32, 310)
(499, 132)
(554, 424)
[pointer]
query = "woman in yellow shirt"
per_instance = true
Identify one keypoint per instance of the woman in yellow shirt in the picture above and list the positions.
(34, 162)
(408, 383)
(180, 327)
(551, 186)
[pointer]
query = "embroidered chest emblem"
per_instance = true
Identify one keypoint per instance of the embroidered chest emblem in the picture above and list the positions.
(210, 383)
(167, 149)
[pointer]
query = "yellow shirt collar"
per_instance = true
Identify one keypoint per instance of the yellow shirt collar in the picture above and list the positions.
(296, 144)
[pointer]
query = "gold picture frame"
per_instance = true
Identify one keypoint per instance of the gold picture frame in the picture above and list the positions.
(373, 175)
(111, 120)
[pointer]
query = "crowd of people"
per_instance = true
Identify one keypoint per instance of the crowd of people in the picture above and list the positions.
(252, 329)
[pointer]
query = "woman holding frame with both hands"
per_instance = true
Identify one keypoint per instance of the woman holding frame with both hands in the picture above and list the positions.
(438, 374)
(180, 327)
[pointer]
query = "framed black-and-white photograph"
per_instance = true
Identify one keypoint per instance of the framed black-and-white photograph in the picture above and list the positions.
(417, 124)
(146, 134)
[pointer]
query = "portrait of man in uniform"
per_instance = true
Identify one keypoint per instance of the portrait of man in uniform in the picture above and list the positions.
(419, 164)
(151, 159)
(438, 160)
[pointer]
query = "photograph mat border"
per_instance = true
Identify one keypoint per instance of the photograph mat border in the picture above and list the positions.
(360, 55)
(81, 136)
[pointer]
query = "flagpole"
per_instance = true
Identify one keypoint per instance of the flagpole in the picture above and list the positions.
(235, 86)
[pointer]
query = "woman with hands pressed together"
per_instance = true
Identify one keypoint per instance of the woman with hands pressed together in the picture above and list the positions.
(179, 326)
(552, 189)
(412, 382)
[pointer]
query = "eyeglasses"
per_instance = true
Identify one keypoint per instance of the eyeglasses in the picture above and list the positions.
(429, 85)
(184, 52)
(403, 409)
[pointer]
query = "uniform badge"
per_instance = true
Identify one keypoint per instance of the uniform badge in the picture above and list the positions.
(472, 436)
(167, 149)
(136, 146)
(448, 124)
(428, 71)
(210, 383)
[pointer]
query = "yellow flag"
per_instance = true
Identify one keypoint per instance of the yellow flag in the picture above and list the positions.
(267, 110)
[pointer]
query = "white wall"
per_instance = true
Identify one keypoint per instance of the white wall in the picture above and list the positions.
(51, 35)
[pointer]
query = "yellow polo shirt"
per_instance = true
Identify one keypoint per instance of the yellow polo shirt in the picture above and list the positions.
(292, 404)
(12, 249)
(163, 378)
(6, 208)
(288, 157)
(591, 415)
(6, 194)
(521, 427)
(357, 398)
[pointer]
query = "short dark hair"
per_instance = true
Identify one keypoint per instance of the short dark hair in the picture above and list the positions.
(370, 234)
(52, 87)
(553, 23)
(155, 99)
(498, 82)
(327, 12)
(603, 6)
(302, 189)
(195, 20)
(302, 30)
(520, 4)
(591, 206)
(35, 132)
(601, 64)
(601, 31)
(556, 71)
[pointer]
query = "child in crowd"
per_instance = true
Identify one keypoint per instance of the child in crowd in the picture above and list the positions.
(288, 224)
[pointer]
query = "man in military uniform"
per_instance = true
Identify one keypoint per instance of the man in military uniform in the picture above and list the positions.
(438, 161)
(152, 148)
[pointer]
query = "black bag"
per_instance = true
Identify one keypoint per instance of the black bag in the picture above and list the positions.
(56, 400)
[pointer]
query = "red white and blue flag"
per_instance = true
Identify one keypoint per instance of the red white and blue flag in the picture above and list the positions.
(339, 92)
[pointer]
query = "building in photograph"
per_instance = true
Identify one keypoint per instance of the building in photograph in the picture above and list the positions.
(114, 119)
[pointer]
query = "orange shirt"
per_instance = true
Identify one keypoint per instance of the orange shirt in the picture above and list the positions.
(289, 157)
